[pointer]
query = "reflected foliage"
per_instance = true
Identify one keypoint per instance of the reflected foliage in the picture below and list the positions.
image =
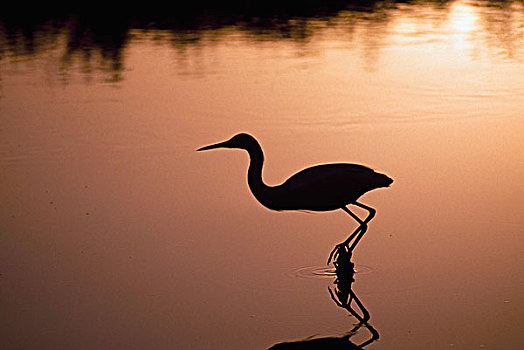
(344, 297)
(503, 22)
(95, 38)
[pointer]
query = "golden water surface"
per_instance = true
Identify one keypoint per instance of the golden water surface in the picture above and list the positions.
(116, 234)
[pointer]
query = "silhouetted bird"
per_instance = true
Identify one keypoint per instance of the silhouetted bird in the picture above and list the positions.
(322, 187)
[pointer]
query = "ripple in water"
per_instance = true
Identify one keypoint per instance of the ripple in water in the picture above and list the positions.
(325, 271)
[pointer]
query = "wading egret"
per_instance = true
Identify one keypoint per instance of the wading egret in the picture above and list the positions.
(322, 187)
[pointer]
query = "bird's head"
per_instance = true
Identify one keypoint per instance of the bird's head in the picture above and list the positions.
(242, 141)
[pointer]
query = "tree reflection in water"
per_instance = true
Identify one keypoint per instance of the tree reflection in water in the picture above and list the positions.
(96, 39)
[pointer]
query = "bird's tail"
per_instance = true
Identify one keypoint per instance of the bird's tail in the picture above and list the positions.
(385, 180)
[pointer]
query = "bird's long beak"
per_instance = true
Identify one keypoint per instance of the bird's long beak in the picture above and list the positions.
(216, 145)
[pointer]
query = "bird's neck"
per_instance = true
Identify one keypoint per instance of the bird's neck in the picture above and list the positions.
(260, 190)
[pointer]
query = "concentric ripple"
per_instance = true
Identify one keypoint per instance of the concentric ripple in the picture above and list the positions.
(325, 271)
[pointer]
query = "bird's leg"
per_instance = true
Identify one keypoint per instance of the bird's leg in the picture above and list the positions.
(357, 234)
(363, 230)
(334, 253)
(364, 224)
(354, 216)
(371, 211)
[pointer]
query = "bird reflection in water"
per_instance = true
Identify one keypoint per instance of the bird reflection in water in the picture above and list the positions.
(323, 187)
(343, 295)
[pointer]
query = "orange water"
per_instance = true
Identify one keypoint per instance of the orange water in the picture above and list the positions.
(116, 234)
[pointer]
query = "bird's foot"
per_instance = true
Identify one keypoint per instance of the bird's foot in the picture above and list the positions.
(332, 254)
(339, 250)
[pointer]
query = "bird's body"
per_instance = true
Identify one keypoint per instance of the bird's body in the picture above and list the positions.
(327, 187)
(322, 187)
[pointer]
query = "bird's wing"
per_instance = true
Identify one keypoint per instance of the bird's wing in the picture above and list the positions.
(326, 175)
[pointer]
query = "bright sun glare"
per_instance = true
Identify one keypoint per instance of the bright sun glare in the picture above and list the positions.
(463, 18)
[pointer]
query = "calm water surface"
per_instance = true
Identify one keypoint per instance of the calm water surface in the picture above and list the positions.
(116, 234)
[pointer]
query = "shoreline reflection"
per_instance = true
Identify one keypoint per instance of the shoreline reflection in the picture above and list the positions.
(341, 292)
(85, 40)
